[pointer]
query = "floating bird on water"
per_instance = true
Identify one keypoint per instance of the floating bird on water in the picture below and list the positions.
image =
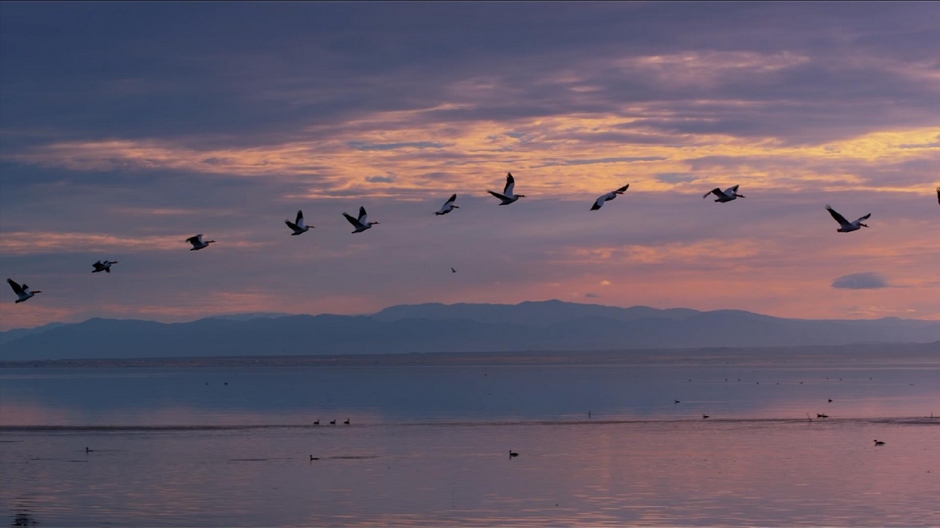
(347, 421)
(879, 443)
(22, 291)
(512, 454)
(844, 225)
(103, 266)
(725, 196)
(822, 415)
(332, 422)
(608, 197)
(312, 458)
(361, 223)
(316, 422)
(448, 206)
(677, 401)
(197, 242)
(704, 417)
(508, 197)
(298, 225)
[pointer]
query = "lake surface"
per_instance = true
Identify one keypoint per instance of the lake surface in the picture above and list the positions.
(429, 440)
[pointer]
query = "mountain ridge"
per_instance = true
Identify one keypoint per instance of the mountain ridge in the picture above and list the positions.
(434, 327)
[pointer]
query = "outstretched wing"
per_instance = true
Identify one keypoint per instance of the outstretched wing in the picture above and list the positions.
(362, 215)
(599, 202)
(195, 239)
(291, 225)
(510, 184)
(300, 217)
(451, 200)
(732, 190)
(864, 217)
(16, 287)
(839, 218)
(353, 221)
(622, 189)
(716, 191)
(500, 196)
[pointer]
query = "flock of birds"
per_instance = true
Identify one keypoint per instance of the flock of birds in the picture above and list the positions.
(508, 196)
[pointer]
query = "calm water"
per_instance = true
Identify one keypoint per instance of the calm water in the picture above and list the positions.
(428, 444)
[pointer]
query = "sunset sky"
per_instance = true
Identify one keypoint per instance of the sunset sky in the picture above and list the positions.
(127, 127)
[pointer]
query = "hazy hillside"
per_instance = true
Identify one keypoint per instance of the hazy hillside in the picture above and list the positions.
(550, 325)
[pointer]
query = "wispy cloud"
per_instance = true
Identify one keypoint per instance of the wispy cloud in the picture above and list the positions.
(359, 145)
(135, 139)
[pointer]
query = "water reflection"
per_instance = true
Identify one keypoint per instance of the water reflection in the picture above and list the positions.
(428, 445)
(429, 393)
(671, 473)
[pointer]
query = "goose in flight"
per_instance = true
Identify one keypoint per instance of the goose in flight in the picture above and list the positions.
(298, 225)
(448, 206)
(103, 266)
(508, 197)
(452, 270)
(22, 291)
(725, 196)
(197, 242)
(608, 197)
(844, 225)
(361, 223)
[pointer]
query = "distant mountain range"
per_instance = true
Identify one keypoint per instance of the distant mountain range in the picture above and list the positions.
(528, 326)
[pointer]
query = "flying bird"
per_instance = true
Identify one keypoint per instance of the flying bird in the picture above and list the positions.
(298, 225)
(608, 197)
(22, 291)
(103, 266)
(197, 242)
(725, 196)
(361, 223)
(844, 225)
(513, 454)
(508, 197)
(448, 206)
(452, 270)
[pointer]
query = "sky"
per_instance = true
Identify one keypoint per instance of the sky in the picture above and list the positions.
(126, 128)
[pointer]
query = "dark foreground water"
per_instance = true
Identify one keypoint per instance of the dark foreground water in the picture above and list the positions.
(428, 442)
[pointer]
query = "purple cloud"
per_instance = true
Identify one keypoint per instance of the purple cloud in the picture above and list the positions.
(860, 281)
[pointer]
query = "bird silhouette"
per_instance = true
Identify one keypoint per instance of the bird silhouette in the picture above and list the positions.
(297, 226)
(608, 197)
(508, 197)
(103, 266)
(725, 196)
(448, 206)
(22, 292)
(197, 242)
(361, 223)
(844, 225)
